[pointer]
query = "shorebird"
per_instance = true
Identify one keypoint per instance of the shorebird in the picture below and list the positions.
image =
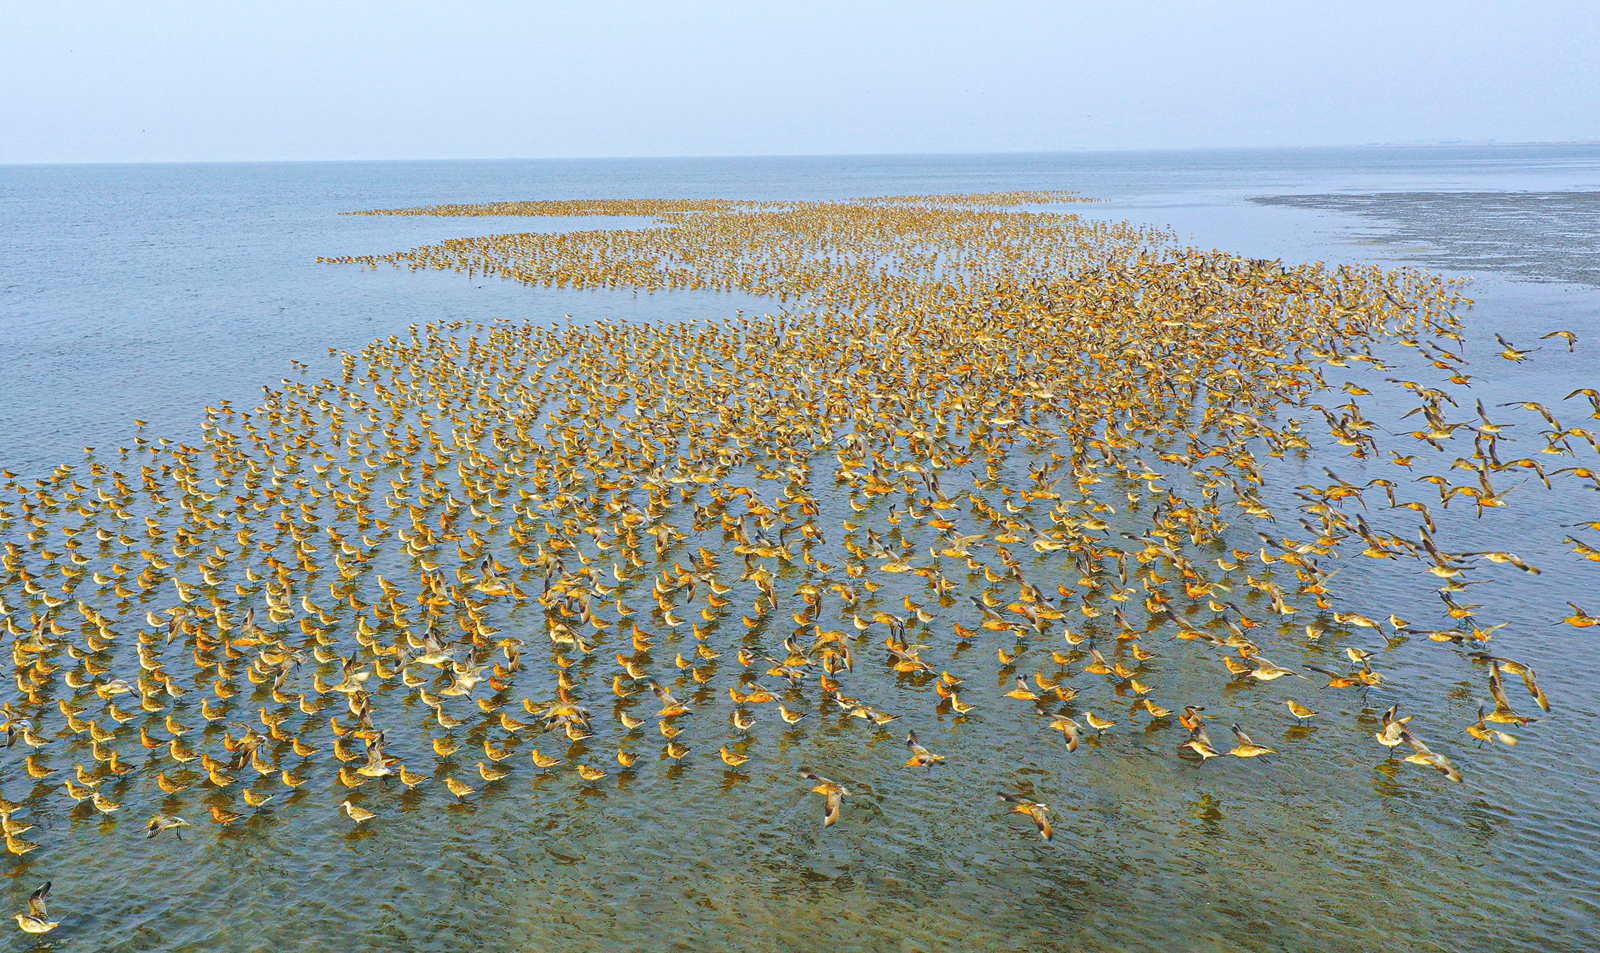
(1039, 813)
(1247, 748)
(1069, 729)
(1200, 743)
(920, 756)
(832, 792)
(37, 919)
(356, 812)
(1301, 713)
(1392, 735)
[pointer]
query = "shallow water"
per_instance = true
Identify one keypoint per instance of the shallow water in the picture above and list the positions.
(1324, 848)
(1540, 236)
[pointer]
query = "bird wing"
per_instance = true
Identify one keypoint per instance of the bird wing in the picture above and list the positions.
(1041, 820)
(835, 802)
(1417, 744)
(1531, 681)
(36, 902)
(1497, 689)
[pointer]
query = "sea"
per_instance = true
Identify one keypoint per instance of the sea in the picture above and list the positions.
(147, 292)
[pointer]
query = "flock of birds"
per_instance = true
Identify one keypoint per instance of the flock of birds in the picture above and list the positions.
(475, 551)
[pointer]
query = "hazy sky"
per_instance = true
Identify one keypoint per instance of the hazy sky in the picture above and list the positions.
(120, 81)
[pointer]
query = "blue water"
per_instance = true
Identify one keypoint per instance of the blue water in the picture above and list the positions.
(149, 291)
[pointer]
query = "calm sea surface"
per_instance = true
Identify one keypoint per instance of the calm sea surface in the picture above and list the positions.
(150, 291)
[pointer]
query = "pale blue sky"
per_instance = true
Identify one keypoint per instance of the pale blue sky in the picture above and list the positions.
(97, 81)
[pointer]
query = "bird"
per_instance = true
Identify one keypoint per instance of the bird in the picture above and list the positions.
(164, 822)
(1580, 619)
(1069, 729)
(1022, 691)
(37, 919)
(1568, 336)
(1247, 748)
(1393, 733)
(670, 706)
(1199, 742)
(832, 792)
(1511, 353)
(356, 812)
(1422, 755)
(1480, 730)
(1037, 812)
(920, 757)
(1503, 713)
(1300, 712)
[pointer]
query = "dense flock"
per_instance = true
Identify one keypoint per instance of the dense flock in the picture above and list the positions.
(989, 458)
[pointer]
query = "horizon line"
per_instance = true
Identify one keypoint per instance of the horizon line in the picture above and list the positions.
(1438, 144)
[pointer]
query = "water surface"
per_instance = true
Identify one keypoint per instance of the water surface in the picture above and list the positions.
(150, 291)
